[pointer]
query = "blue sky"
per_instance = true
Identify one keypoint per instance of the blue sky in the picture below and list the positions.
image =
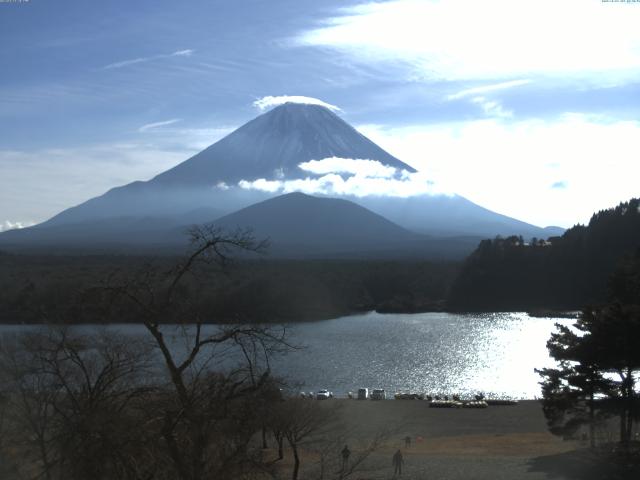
(529, 108)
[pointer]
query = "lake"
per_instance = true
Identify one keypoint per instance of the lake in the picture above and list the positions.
(494, 353)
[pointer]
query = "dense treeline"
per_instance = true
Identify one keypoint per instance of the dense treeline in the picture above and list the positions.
(565, 272)
(64, 289)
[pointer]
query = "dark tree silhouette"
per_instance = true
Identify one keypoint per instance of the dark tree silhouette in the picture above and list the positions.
(204, 422)
(570, 391)
(599, 361)
(565, 272)
(71, 401)
(83, 406)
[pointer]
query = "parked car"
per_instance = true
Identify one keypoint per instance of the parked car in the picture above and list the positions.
(475, 404)
(378, 394)
(408, 396)
(324, 395)
(445, 404)
(363, 393)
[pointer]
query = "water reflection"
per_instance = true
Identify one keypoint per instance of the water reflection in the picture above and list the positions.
(432, 352)
(495, 353)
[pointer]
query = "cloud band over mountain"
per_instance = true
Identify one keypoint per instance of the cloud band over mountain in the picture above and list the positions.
(351, 177)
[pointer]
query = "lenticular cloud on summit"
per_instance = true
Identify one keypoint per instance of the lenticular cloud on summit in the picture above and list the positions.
(267, 102)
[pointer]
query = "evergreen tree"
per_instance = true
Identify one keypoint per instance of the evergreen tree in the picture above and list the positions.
(599, 361)
(570, 391)
(566, 273)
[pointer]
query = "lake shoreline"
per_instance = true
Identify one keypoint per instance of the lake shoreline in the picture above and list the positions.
(541, 313)
(431, 353)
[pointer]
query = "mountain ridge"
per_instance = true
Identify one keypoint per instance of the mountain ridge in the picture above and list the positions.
(301, 225)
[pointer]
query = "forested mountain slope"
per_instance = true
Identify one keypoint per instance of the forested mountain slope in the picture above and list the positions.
(566, 272)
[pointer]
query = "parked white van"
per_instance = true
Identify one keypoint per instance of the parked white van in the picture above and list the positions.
(378, 394)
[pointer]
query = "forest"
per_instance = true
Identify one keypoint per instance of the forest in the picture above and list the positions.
(562, 273)
(66, 289)
(502, 274)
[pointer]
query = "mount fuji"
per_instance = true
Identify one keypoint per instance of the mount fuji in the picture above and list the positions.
(284, 150)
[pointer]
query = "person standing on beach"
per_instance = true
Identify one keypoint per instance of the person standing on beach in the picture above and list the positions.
(407, 441)
(397, 463)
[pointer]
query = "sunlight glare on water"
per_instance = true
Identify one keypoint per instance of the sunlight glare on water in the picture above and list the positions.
(445, 353)
(495, 353)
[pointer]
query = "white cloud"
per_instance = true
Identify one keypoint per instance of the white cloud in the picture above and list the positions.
(494, 87)
(363, 178)
(265, 103)
(150, 126)
(509, 167)
(489, 39)
(126, 63)
(264, 185)
(492, 108)
(133, 61)
(333, 184)
(182, 53)
(9, 225)
(368, 168)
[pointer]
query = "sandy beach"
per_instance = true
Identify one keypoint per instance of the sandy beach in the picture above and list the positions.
(497, 443)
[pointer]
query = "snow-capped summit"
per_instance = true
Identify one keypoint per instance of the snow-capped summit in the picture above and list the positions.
(274, 144)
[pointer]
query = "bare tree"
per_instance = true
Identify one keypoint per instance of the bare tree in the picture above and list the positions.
(30, 411)
(5, 464)
(302, 422)
(316, 430)
(98, 407)
(332, 466)
(69, 400)
(204, 425)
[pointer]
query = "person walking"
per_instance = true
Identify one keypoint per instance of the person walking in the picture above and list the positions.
(345, 457)
(407, 441)
(397, 462)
